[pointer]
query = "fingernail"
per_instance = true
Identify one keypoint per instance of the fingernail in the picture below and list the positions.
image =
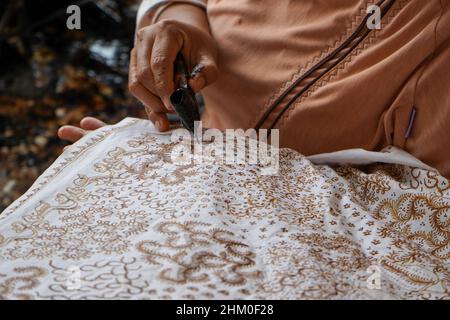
(168, 104)
(197, 69)
(158, 125)
(200, 83)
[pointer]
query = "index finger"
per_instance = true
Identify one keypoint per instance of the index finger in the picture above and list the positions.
(164, 53)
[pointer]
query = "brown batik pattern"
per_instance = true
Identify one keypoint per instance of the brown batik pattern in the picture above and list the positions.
(137, 225)
(232, 264)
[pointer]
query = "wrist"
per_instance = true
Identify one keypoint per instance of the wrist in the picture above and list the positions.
(183, 12)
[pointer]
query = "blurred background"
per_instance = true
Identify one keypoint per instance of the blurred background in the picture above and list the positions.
(51, 76)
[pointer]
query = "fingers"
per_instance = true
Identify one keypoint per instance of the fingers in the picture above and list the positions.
(139, 91)
(90, 123)
(151, 75)
(164, 53)
(159, 119)
(153, 105)
(71, 133)
(155, 59)
(203, 74)
(140, 59)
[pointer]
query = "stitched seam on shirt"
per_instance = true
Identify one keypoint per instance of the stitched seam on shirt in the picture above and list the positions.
(336, 71)
(350, 29)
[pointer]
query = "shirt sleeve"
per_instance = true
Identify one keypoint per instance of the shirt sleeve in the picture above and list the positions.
(151, 9)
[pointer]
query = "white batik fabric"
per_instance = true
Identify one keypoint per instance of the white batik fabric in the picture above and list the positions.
(115, 218)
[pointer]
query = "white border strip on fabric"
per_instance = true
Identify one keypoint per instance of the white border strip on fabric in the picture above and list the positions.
(391, 155)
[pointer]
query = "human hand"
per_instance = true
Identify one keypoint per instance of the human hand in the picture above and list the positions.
(151, 76)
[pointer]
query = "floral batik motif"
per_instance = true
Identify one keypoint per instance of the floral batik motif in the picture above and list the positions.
(115, 218)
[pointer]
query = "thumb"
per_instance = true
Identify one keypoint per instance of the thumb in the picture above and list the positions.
(203, 74)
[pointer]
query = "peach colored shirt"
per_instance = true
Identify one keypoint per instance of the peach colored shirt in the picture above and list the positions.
(313, 70)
